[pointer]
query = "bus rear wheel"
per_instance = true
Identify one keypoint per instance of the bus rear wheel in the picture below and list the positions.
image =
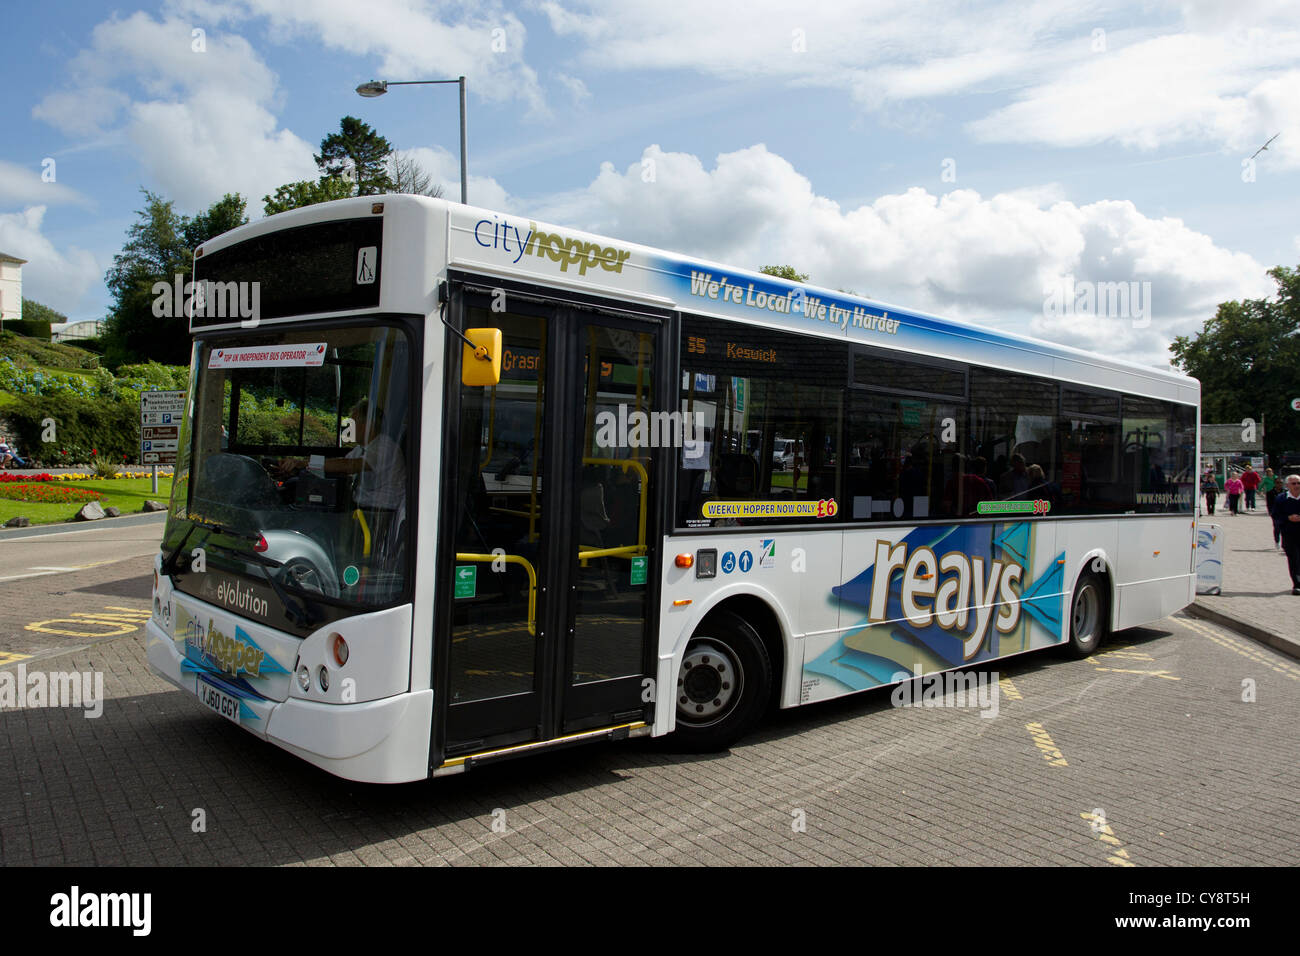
(1089, 615)
(723, 685)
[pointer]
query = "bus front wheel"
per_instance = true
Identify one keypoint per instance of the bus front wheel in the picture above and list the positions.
(723, 685)
(1089, 615)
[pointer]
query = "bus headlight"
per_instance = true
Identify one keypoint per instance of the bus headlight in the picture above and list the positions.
(304, 678)
(324, 676)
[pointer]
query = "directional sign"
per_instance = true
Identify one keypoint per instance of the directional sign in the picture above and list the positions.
(160, 418)
(466, 580)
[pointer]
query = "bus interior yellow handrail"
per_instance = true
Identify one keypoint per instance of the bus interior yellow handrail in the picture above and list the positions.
(523, 563)
(625, 464)
(365, 531)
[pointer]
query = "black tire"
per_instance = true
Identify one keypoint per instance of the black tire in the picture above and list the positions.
(1089, 614)
(724, 685)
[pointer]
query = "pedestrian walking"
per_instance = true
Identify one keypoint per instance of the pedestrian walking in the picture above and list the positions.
(1234, 489)
(1286, 518)
(1271, 486)
(1209, 488)
(1249, 482)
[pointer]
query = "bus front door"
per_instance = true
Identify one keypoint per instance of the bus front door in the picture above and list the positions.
(546, 616)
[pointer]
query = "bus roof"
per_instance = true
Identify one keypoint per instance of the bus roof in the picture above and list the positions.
(516, 247)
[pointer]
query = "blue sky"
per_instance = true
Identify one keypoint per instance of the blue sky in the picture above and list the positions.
(962, 157)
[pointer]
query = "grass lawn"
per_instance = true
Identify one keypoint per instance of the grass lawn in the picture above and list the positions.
(126, 494)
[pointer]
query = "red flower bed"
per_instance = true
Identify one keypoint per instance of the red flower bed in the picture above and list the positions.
(8, 478)
(48, 494)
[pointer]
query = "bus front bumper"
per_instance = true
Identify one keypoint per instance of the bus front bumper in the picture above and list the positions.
(378, 741)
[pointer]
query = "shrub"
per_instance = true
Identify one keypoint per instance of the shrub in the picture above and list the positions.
(85, 427)
(104, 467)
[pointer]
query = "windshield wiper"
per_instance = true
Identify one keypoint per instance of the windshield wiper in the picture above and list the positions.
(169, 565)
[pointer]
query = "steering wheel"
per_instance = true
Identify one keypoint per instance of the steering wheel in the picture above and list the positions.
(240, 478)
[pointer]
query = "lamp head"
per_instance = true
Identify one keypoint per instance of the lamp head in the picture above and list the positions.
(373, 88)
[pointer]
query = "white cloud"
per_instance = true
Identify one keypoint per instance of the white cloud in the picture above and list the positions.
(575, 87)
(412, 39)
(53, 277)
(444, 167)
(200, 123)
(1219, 73)
(1231, 90)
(20, 185)
(987, 259)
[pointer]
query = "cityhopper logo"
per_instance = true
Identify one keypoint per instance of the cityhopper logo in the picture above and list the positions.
(514, 241)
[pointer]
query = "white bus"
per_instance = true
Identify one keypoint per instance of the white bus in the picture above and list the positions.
(658, 496)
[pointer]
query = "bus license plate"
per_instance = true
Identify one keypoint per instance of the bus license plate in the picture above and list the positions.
(217, 699)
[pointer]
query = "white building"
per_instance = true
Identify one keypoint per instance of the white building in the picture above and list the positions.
(11, 287)
(80, 329)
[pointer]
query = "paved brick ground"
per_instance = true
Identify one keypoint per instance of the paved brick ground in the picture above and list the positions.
(1154, 733)
(1255, 589)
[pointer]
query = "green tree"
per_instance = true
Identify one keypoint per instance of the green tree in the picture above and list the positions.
(1247, 358)
(306, 193)
(160, 246)
(35, 312)
(785, 272)
(360, 152)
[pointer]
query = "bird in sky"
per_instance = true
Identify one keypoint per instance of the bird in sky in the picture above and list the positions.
(1265, 146)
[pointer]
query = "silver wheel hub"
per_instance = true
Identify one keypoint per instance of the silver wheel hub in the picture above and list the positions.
(709, 682)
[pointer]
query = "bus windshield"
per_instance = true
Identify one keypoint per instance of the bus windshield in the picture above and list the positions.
(301, 439)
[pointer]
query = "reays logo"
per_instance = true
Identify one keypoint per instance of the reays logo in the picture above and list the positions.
(927, 598)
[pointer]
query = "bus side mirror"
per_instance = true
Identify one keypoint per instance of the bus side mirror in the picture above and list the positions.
(480, 366)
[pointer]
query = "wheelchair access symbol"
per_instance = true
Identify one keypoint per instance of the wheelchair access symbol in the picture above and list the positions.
(729, 562)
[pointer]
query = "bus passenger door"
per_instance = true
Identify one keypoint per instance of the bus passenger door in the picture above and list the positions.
(547, 547)
(620, 435)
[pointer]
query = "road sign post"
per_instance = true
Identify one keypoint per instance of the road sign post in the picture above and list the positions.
(160, 426)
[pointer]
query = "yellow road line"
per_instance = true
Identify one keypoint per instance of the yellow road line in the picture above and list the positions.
(1126, 670)
(1118, 855)
(125, 620)
(1248, 651)
(1043, 741)
(11, 658)
(1009, 690)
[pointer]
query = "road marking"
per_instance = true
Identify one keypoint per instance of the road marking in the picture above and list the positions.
(59, 534)
(1119, 856)
(10, 658)
(1043, 741)
(19, 577)
(1128, 670)
(1127, 652)
(124, 620)
(39, 570)
(1009, 690)
(1245, 650)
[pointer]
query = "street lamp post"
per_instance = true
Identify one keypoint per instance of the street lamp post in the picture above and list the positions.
(380, 87)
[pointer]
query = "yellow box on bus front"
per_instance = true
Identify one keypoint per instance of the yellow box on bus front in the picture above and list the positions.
(480, 366)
